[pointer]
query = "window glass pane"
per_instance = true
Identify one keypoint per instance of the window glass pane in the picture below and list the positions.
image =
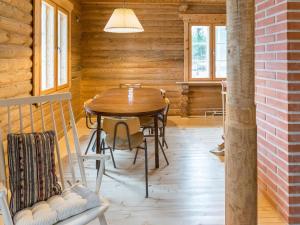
(200, 52)
(221, 52)
(47, 51)
(62, 48)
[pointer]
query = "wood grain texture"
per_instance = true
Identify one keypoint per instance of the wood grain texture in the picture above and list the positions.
(240, 130)
(127, 102)
(188, 192)
(16, 49)
(154, 58)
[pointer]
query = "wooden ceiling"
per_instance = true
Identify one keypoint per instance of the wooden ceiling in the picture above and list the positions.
(173, 2)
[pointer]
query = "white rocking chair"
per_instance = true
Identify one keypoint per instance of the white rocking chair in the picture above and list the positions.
(35, 107)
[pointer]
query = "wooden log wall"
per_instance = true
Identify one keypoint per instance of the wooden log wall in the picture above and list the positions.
(205, 99)
(16, 18)
(76, 58)
(16, 78)
(153, 58)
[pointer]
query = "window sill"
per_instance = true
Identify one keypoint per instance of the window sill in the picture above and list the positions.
(200, 83)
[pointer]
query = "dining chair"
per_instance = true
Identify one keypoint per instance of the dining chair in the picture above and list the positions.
(125, 134)
(136, 85)
(73, 205)
(91, 125)
(147, 123)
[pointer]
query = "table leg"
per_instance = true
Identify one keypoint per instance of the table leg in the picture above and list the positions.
(98, 140)
(156, 141)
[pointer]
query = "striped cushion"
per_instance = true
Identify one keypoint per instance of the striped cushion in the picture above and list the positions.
(31, 169)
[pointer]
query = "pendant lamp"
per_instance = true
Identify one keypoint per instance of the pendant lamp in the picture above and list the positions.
(123, 20)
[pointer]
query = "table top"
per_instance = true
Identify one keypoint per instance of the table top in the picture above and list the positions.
(127, 102)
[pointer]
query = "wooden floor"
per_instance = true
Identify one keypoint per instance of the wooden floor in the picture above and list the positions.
(188, 192)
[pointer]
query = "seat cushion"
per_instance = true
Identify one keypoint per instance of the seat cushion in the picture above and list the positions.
(122, 144)
(31, 169)
(71, 202)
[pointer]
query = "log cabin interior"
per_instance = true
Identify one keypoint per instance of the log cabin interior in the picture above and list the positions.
(184, 111)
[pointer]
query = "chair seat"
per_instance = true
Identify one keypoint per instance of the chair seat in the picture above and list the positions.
(122, 144)
(71, 202)
(85, 217)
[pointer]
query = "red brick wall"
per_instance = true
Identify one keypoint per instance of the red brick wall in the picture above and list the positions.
(278, 103)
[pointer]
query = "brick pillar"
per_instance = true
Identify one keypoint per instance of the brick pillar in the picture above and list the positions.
(278, 103)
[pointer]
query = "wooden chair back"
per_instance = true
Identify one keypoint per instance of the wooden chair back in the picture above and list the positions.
(36, 114)
(111, 127)
(166, 110)
(88, 117)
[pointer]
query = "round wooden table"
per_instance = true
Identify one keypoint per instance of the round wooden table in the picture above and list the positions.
(126, 103)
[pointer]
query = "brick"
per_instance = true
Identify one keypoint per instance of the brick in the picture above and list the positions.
(260, 31)
(263, 125)
(265, 39)
(276, 28)
(293, 15)
(274, 112)
(293, 25)
(293, 5)
(265, 5)
(277, 47)
(293, 46)
(264, 143)
(276, 66)
(259, 65)
(260, 15)
(265, 22)
(293, 36)
(260, 48)
(266, 74)
(277, 9)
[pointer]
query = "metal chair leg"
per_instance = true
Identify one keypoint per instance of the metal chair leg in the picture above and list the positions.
(89, 144)
(162, 149)
(94, 146)
(146, 169)
(135, 157)
(112, 157)
(164, 138)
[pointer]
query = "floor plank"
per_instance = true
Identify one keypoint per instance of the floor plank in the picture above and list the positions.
(188, 192)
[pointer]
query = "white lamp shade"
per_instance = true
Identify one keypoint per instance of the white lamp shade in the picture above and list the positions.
(123, 21)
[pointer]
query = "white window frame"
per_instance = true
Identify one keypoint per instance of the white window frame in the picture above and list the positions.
(190, 20)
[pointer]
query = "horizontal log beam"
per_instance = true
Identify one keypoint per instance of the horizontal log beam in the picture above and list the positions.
(160, 2)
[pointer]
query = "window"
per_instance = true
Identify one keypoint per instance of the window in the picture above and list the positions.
(208, 52)
(200, 52)
(221, 52)
(52, 46)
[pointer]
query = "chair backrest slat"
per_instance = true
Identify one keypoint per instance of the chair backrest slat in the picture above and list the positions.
(43, 102)
(8, 120)
(2, 161)
(21, 118)
(42, 117)
(76, 142)
(31, 118)
(67, 140)
(57, 145)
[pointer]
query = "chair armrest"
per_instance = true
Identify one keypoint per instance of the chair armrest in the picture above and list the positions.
(95, 157)
(4, 206)
(102, 158)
